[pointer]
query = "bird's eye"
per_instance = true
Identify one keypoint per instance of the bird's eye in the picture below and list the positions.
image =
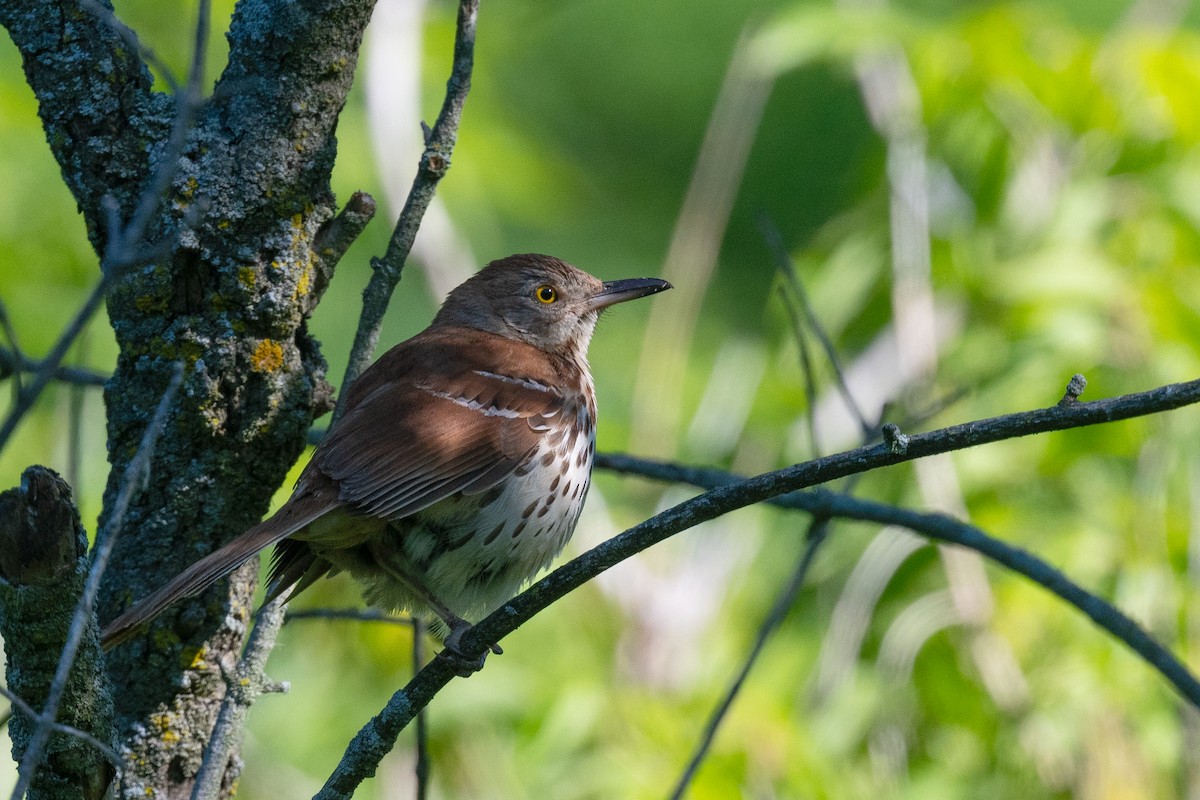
(545, 294)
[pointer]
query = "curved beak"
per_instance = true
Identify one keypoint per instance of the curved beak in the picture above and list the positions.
(615, 292)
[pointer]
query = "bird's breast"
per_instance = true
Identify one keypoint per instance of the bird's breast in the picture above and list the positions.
(475, 551)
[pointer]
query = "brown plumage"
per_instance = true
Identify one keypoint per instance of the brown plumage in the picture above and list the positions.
(460, 464)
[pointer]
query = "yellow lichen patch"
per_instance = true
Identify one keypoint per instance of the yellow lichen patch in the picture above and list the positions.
(267, 357)
(198, 661)
(162, 721)
(170, 737)
(223, 224)
(247, 276)
(302, 284)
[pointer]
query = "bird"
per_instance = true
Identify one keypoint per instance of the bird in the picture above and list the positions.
(460, 462)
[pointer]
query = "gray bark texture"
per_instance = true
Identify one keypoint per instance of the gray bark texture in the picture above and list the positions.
(241, 256)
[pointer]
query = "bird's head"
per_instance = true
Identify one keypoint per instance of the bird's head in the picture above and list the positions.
(539, 300)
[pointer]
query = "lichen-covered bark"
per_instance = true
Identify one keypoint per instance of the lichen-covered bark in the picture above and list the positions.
(43, 566)
(248, 199)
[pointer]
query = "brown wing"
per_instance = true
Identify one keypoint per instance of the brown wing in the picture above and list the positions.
(451, 410)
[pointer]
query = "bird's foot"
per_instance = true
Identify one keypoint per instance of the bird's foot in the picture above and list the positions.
(464, 665)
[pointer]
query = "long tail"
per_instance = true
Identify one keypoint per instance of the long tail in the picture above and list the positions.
(299, 511)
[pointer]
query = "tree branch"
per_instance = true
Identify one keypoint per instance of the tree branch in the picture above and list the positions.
(435, 161)
(83, 623)
(231, 298)
(815, 536)
(43, 571)
(912, 446)
(248, 681)
(14, 363)
(780, 487)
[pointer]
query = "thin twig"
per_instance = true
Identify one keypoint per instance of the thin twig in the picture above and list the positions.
(132, 482)
(943, 440)
(377, 738)
(244, 687)
(51, 363)
(75, 401)
(435, 161)
(783, 263)
(422, 765)
(806, 368)
(17, 357)
(57, 727)
(817, 531)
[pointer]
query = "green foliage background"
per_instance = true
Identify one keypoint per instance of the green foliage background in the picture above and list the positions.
(1064, 147)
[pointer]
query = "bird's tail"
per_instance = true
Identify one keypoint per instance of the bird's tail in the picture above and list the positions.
(299, 511)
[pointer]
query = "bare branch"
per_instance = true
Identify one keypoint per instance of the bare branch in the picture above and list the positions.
(943, 528)
(49, 366)
(422, 765)
(919, 445)
(14, 363)
(246, 684)
(43, 570)
(817, 531)
(783, 263)
(731, 492)
(10, 362)
(435, 161)
(806, 369)
(334, 239)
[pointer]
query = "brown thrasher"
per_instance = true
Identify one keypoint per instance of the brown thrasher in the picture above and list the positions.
(461, 461)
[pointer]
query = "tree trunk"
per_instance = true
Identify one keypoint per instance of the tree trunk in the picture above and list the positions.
(237, 267)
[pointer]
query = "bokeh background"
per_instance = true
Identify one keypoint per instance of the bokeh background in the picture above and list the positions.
(980, 200)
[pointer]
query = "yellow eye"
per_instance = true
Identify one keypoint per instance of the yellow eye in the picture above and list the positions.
(545, 294)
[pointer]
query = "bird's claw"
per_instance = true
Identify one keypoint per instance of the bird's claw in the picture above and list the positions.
(464, 665)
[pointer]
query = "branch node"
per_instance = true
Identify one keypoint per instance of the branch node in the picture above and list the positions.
(1075, 388)
(435, 162)
(897, 442)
